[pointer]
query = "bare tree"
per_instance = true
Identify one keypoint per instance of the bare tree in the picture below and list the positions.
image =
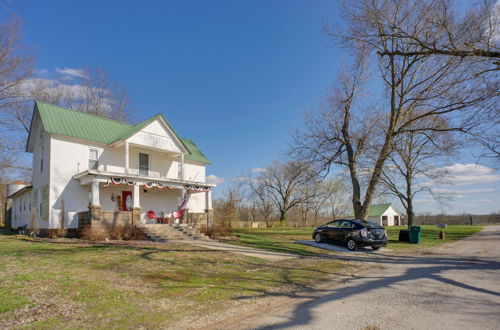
(415, 154)
(282, 181)
(338, 198)
(444, 31)
(259, 200)
(415, 87)
(226, 209)
(463, 45)
(90, 92)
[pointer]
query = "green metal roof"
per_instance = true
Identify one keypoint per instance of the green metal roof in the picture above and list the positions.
(89, 127)
(195, 153)
(375, 210)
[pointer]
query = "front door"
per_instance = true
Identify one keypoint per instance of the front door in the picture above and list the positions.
(127, 202)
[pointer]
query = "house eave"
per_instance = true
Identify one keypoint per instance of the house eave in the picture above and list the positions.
(86, 176)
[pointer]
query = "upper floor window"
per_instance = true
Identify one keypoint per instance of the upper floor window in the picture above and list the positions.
(143, 164)
(93, 162)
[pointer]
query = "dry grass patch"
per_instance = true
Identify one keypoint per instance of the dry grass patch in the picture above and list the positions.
(47, 285)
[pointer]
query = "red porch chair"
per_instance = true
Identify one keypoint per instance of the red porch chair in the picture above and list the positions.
(151, 215)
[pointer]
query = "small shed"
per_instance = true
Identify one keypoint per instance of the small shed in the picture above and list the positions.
(384, 215)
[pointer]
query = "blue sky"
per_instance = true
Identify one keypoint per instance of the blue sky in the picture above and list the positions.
(234, 76)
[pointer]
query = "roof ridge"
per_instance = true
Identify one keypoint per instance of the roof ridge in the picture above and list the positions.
(85, 113)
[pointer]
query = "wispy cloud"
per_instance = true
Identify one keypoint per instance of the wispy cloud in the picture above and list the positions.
(258, 170)
(462, 191)
(463, 174)
(214, 179)
(72, 72)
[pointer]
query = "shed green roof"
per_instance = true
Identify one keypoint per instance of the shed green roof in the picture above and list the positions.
(375, 210)
(90, 127)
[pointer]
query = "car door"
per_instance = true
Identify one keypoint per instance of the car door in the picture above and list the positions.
(331, 230)
(345, 230)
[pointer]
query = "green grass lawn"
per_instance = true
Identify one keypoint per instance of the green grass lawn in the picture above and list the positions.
(282, 239)
(47, 285)
(430, 236)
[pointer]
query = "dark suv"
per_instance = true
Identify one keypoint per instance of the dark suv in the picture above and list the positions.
(352, 233)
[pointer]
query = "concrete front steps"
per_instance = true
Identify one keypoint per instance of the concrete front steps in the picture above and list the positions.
(171, 232)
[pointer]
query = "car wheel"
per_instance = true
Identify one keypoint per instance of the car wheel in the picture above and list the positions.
(375, 247)
(317, 238)
(351, 245)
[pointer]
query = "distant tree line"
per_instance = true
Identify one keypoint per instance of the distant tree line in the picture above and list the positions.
(282, 194)
(459, 219)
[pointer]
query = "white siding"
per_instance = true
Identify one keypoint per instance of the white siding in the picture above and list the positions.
(194, 172)
(390, 213)
(41, 175)
(156, 135)
(68, 158)
(197, 202)
(160, 164)
(21, 210)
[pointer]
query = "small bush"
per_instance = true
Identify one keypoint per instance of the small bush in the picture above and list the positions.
(126, 232)
(93, 234)
(117, 232)
(217, 229)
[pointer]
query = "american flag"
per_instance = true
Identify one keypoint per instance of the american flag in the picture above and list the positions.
(184, 201)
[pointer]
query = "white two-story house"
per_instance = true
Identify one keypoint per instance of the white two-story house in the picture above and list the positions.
(90, 170)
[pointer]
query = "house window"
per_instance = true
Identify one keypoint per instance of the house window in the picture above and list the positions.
(93, 163)
(143, 164)
(40, 210)
(41, 158)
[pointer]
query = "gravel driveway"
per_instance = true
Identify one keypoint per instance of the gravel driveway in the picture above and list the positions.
(457, 286)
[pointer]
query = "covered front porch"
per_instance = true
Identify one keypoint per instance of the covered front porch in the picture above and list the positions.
(117, 199)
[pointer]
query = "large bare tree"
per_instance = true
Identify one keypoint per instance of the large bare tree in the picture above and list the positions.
(415, 156)
(415, 87)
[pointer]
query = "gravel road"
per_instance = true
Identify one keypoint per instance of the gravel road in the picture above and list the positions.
(457, 286)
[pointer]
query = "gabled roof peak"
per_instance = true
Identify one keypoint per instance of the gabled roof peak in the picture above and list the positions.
(85, 126)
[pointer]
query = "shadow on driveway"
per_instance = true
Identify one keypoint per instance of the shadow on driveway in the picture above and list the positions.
(338, 248)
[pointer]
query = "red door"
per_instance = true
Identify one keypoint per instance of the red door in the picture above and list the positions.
(127, 201)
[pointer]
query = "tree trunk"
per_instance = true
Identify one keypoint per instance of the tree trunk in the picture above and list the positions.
(410, 214)
(409, 200)
(282, 218)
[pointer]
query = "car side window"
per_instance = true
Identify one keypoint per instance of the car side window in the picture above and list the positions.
(347, 224)
(334, 224)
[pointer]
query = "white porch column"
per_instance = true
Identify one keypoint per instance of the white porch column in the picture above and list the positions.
(182, 166)
(95, 193)
(207, 198)
(137, 202)
(126, 158)
(209, 195)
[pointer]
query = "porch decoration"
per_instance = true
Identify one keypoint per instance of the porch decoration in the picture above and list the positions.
(118, 181)
(159, 185)
(197, 188)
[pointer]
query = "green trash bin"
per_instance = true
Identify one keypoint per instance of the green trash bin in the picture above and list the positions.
(415, 234)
